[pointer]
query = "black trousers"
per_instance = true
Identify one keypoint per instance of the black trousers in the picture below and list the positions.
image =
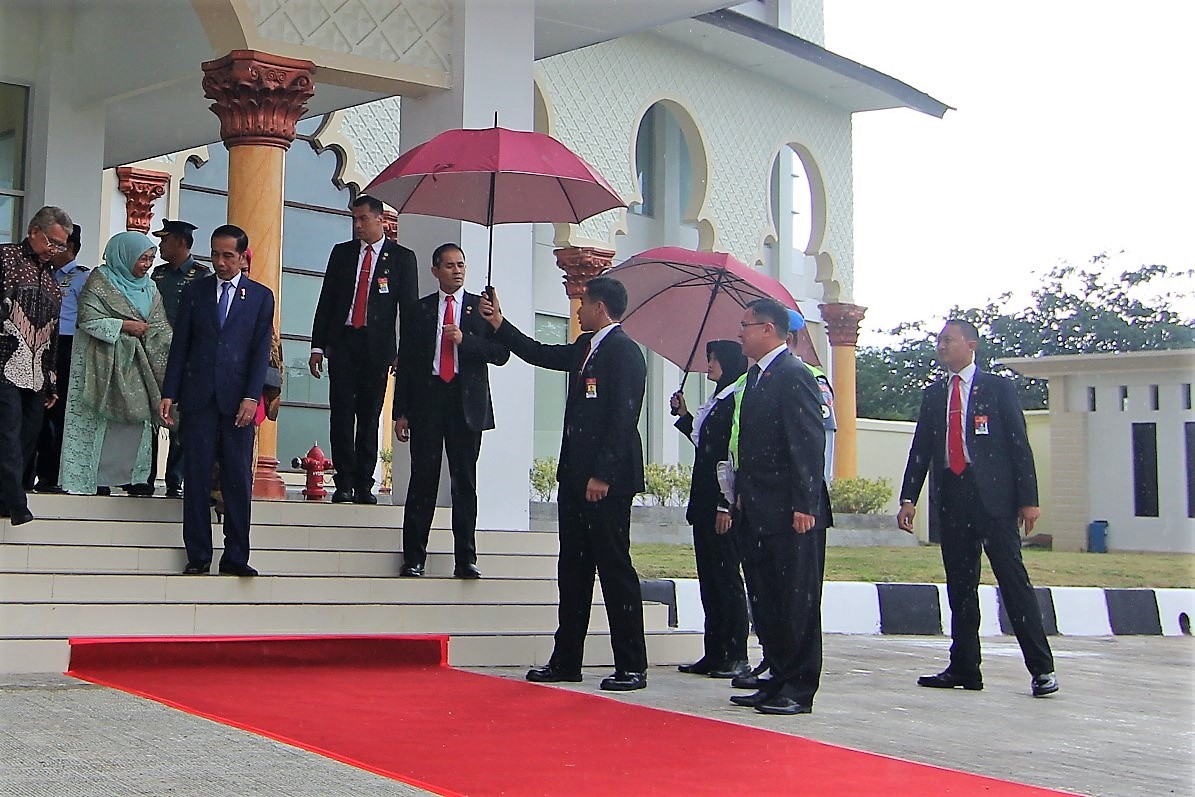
(48, 450)
(207, 436)
(20, 423)
(966, 528)
(722, 594)
(356, 389)
(596, 536)
(785, 571)
(438, 428)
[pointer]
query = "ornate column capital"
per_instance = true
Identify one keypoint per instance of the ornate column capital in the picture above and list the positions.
(842, 322)
(258, 97)
(580, 264)
(390, 222)
(140, 188)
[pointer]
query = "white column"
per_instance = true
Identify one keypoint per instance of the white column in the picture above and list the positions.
(66, 138)
(493, 51)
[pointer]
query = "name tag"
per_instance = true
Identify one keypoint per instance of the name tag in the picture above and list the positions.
(383, 285)
(981, 424)
(591, 388)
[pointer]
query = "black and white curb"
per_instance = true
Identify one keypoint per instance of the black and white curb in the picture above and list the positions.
(863, 608)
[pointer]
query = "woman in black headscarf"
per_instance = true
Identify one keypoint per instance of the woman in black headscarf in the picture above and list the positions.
(715, 542)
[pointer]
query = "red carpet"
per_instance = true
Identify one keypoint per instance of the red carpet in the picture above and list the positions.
(390, 705)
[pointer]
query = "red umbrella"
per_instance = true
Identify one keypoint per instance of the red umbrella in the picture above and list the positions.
(495, 176)
(680, 299)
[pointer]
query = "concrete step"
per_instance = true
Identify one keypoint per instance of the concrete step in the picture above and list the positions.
(53, 620)
(128, 559)
(143, 533)
(18, 588)
(664, 647)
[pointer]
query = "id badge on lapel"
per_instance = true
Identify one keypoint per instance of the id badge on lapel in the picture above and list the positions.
(591, 387)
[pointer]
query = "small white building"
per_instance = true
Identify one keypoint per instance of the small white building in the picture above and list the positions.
(1122, 447)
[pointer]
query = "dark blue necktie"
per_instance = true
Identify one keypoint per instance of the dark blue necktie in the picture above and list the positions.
(753, 376)
(225, 301)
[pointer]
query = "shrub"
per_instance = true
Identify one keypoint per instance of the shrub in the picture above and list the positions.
(667, 485)
(860, 496)
(543, 478)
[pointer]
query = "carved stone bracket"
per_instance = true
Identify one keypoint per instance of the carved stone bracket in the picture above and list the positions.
(140, 188)
(390, 222)
(842, 322)
(258, 97)
(580, 264)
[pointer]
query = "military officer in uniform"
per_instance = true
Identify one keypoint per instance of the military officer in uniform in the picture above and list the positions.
(179, 270)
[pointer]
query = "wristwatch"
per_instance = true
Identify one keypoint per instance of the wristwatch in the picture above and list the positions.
(904, 501)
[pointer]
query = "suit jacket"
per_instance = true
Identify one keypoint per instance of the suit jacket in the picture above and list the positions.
(395, 271)
(705, 496)
(1000, 456)
(225, 366)
(601, 411)
(782, 449)
(419, 346)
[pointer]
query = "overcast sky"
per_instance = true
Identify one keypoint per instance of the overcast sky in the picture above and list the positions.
(1073, 135)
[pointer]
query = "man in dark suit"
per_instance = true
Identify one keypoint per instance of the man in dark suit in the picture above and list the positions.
(369, 281)
(600, 471)
(215, 374)
(971, 432)
(783, 510)
(442, 403)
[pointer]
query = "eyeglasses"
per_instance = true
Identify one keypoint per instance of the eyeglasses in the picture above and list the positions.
(745, 324)
(51, 244)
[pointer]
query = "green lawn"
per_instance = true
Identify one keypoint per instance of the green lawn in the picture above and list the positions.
(923, 565)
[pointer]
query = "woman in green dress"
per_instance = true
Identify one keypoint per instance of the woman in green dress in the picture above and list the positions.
(122, 340)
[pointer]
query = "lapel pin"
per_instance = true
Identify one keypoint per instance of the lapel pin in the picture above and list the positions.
(242, 293)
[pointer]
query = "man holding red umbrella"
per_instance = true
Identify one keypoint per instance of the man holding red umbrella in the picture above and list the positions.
(600, 472)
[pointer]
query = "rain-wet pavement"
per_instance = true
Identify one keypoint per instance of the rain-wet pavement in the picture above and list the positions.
(1122, 724)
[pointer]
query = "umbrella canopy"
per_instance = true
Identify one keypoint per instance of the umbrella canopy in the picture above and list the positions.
(679, 299)
(495, 176)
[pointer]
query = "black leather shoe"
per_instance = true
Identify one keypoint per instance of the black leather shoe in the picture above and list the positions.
(197, 568)
(549, 674)
(139, 490)
(749, 681)
(103, 490)
(750, 701)
(468, 572)
(342, 497)
(702, 666)
(624, 681)
(49, 489)
(174, 492)
(411, 571)
(236, 570)
(20, 517)
(364, 497)
(731, 670)
(783, 706)
(948, 680)
(1045, 684)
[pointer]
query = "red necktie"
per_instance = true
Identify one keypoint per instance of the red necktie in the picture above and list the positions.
(955, 457)
(447, 347)
(362, 298)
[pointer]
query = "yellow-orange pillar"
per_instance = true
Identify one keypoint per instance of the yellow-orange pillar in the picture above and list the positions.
(842, 328)
(259, 98)
(580, 264)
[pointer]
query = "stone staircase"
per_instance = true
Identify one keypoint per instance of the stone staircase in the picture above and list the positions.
(111, 567)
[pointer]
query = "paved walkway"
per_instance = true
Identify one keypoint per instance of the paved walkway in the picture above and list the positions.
(1123, 724)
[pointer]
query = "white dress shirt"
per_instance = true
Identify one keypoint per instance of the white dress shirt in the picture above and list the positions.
(458, 302)
(966, 379)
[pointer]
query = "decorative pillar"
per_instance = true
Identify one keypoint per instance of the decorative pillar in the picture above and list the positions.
(140, 188)
(390, 222)
(259, 98)
(580, 264)
(842, 327)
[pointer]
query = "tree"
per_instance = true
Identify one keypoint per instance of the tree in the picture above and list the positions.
(1076, 310)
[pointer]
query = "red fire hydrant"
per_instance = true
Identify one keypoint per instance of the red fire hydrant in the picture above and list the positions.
(315, 463)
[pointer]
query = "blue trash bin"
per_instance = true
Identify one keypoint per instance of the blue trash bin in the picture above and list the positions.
(1097, 536)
